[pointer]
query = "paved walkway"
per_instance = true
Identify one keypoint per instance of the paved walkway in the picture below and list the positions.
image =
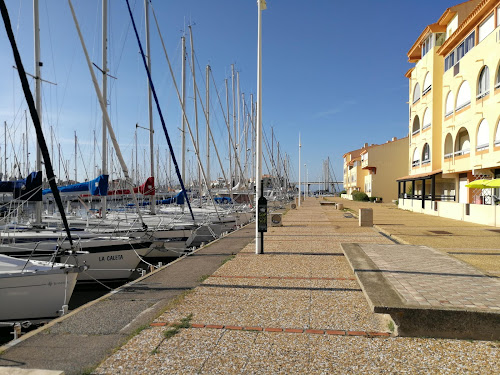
(475, 244)
(426, 277)
(295, 309)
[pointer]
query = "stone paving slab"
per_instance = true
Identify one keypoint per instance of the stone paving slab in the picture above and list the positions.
(427, 292)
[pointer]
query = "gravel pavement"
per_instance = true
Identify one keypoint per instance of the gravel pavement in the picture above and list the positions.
(295, 309)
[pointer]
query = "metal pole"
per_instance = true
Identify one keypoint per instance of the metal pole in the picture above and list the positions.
(105, 96)
(258, 170)
(207, 109)
(76, 156)
(300, 186)
(195, 109)
(183, 160)
(38, 100)
(152, 198)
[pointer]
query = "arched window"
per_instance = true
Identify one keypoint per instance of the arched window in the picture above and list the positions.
(463, 97)
(416, 93)
(416, 126)
(483, 86)
(497, 134)
(427, 83)
(416, 158)
(448, 147)
(462, 142)
(426, 154)
(426, 123)
(483, 136)
(497, 81)
(448, 109)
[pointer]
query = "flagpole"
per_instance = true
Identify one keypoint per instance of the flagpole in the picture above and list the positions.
(258, 174)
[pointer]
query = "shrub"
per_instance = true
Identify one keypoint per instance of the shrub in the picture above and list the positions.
(343, 192)
(360, 196)
(372, 199)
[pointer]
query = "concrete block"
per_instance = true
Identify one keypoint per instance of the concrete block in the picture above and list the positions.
(340, 206)
(366, 217)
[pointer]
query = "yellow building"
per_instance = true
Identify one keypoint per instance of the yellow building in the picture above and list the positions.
(454, 100)
(373, 169)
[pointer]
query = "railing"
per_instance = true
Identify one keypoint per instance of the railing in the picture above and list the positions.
(428, 197)
(426, 126)
(482, 147)
(427, 90)
(448, 156)
(497, 142)
(482, 94)
(427, 161)
(462, 106)
(462, 152)
(415, 163)
(416, 132)
(448, 114)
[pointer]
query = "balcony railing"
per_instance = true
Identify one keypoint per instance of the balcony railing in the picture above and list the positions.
(415, 132)
(426, 126)
(462, 152)
(425, 162)
(462, 106)
(482, 95)
(448, 156)
(482, 147)
(415, 163)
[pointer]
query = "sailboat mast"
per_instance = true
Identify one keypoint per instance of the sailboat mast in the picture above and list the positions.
(105, 96)
(76, 156)
(38, 99)
(150, 108)
(183, 160)
(207, 109)
(195, 106)
(238, 140)
(235, 133)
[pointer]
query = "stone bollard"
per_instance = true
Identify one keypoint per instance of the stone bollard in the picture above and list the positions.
(366, 217)
(340, 206)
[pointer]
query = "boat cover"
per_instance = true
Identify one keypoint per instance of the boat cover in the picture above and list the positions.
(29, 188)
(97, 186)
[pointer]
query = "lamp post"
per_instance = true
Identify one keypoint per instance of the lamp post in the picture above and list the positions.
(300, 188)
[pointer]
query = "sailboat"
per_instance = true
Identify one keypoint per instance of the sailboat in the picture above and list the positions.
(106, 257)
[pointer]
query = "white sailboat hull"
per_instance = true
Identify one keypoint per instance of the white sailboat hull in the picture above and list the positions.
(36, 293)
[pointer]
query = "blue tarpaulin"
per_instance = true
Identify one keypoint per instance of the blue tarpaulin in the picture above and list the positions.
(28, 188)
(97, 186)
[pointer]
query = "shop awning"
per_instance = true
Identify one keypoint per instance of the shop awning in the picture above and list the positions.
(478, 184)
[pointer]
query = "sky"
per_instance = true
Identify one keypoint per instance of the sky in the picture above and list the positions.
(332, 71)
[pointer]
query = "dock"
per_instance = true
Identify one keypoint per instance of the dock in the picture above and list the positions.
(303, 306)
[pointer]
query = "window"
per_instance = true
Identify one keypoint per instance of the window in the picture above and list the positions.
(483, 87)
(427, 83)
(455, 56)
(449, 61)
(426, 154)
(469, 42)
(426, 123)
(486, 27)
(416, 93)
(416, 160)
(497, 82)
(427, 45)
(463, 97)
(497, 134)
(449, 105)
(462, 143)
(460, 51)
(416, 126)
(482, 136)
(448, 147)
